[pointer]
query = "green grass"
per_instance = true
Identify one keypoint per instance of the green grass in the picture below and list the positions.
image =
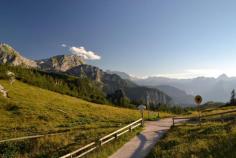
(31, 110)
(213, 139)
(209, 111)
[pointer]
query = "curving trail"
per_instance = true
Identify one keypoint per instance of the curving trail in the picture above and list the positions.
(141, 145)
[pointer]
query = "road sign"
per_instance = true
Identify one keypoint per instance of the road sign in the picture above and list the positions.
(198, 99)
(142, 108)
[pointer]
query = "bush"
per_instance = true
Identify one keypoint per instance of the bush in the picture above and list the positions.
(171, 109)
(13, 108)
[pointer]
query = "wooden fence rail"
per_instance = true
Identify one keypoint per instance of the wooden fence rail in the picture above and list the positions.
(220, 113)
(203, 116)
(31, 137)
(104, 140)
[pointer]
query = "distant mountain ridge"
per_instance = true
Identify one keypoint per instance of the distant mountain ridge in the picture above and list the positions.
(123, 75)
(211, 89)
(178, 96)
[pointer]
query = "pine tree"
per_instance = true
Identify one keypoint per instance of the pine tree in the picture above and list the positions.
(232, 100)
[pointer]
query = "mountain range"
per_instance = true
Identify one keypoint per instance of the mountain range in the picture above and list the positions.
(179, 97)
(74, 65)
(211, 89)
(158, 89)
(182, 90)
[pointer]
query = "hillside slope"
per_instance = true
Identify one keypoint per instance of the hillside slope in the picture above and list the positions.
(27, 105)
(179, 96)
(113, 82)
(214, 138)
(57, 82)
(31, 110)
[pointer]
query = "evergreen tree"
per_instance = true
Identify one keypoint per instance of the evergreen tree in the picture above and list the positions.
(232, 100)
(61, 83)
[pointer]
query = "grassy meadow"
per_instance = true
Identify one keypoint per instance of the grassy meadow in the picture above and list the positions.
(31, 110)
(215, 138)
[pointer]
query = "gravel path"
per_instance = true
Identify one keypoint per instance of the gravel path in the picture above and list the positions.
(141, 145)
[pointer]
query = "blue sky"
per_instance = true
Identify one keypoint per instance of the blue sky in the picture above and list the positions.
(174, 38)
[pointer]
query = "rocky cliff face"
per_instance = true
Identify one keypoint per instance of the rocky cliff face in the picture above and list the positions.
(92, 72)
(10, 56)
(144, 94)
(178, 96)
(112, 82)
(60, 63)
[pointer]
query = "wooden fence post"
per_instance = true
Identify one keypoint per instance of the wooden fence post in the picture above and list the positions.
(99, 143)
(142, 119)
(116, 136)
(130, 128)
(173, 119)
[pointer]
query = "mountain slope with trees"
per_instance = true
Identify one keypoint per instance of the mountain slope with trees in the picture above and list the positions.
(89, 82)
(113, 83)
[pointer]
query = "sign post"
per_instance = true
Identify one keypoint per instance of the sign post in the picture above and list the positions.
(148, 107)
(198, 101)
(142, 108)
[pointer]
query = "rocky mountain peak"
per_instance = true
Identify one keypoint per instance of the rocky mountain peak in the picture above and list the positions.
(9, 55)
(60, 62)
(223, 77)
(92, 72)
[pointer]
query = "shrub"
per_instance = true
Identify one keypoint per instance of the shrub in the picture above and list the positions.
(13, 108)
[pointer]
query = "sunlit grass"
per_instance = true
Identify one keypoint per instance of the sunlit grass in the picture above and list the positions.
(31, 110)
(212, 139)
(41, 111)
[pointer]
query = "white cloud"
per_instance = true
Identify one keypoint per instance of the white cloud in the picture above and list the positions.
(64, 45)
(82, 52)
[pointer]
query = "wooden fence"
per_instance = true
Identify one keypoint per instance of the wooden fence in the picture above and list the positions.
(104, 140)
(203, 116)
